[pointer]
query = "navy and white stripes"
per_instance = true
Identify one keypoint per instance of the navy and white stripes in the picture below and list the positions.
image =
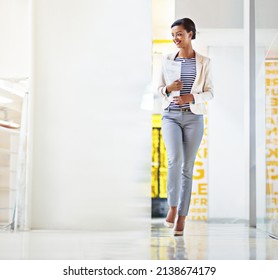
(188, 75)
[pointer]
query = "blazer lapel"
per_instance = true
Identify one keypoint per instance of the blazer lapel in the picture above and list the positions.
(174, 55)
(199, 66)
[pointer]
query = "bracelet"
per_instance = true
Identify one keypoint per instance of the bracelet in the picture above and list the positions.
(167, 93)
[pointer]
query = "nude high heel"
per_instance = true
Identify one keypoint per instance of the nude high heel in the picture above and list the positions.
(178, 232)
(168, 224)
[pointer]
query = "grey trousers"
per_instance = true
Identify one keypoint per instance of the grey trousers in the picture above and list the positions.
(182, 134)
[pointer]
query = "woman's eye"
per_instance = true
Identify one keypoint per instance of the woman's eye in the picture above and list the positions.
(178, 34)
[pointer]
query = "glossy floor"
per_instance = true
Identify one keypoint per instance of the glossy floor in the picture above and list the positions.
(212, 241)
(201, 241)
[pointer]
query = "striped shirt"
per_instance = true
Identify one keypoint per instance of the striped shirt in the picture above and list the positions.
(188, 75)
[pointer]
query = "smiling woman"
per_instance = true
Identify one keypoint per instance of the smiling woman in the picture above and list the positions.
(182, 119)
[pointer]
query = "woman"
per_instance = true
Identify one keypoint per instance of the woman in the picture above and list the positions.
(182, 120)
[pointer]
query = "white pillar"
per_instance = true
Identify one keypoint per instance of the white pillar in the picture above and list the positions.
(250, 105)
(91, 142)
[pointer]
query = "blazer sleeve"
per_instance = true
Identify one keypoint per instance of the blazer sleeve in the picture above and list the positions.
(207, 93)
(161, 82)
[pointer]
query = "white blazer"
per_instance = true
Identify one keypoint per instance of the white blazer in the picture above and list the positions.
(202, 88)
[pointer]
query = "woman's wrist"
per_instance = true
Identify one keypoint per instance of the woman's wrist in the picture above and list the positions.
(167, 92)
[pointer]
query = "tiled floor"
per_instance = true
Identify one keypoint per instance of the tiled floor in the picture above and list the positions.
(201, 241)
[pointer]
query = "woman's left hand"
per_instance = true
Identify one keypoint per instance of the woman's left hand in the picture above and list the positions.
(183, 99)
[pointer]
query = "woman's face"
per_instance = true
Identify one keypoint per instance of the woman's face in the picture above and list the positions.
(180, 36)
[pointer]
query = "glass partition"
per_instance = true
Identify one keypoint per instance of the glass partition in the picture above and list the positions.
(267, 115)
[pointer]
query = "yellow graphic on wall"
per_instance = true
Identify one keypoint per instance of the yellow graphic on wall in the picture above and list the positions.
(271, 67)
(198, 207)
(159, 160)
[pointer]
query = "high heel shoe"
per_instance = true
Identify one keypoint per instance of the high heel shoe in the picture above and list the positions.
(178, 232)
(168, 224)
(170, 216)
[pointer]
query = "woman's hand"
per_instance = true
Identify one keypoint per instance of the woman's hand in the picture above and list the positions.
(183, 99)
(175, 86)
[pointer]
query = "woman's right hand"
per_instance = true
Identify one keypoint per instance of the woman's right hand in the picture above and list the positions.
(175, 86)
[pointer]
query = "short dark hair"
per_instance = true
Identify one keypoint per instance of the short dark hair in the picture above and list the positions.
(187, 24)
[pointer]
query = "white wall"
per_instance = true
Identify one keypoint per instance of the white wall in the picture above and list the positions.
(163, 15)
(212, 13)
(14, 34)
(228, 192)
(91, 158)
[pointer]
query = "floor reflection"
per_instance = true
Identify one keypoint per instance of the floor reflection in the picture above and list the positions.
(220, 241)
(165, 246)
(202, 241)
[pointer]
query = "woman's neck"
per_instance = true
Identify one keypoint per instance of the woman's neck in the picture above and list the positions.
(186, 53)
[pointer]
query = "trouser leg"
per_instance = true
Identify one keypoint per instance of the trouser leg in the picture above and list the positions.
(172, 136)
(192, 135)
